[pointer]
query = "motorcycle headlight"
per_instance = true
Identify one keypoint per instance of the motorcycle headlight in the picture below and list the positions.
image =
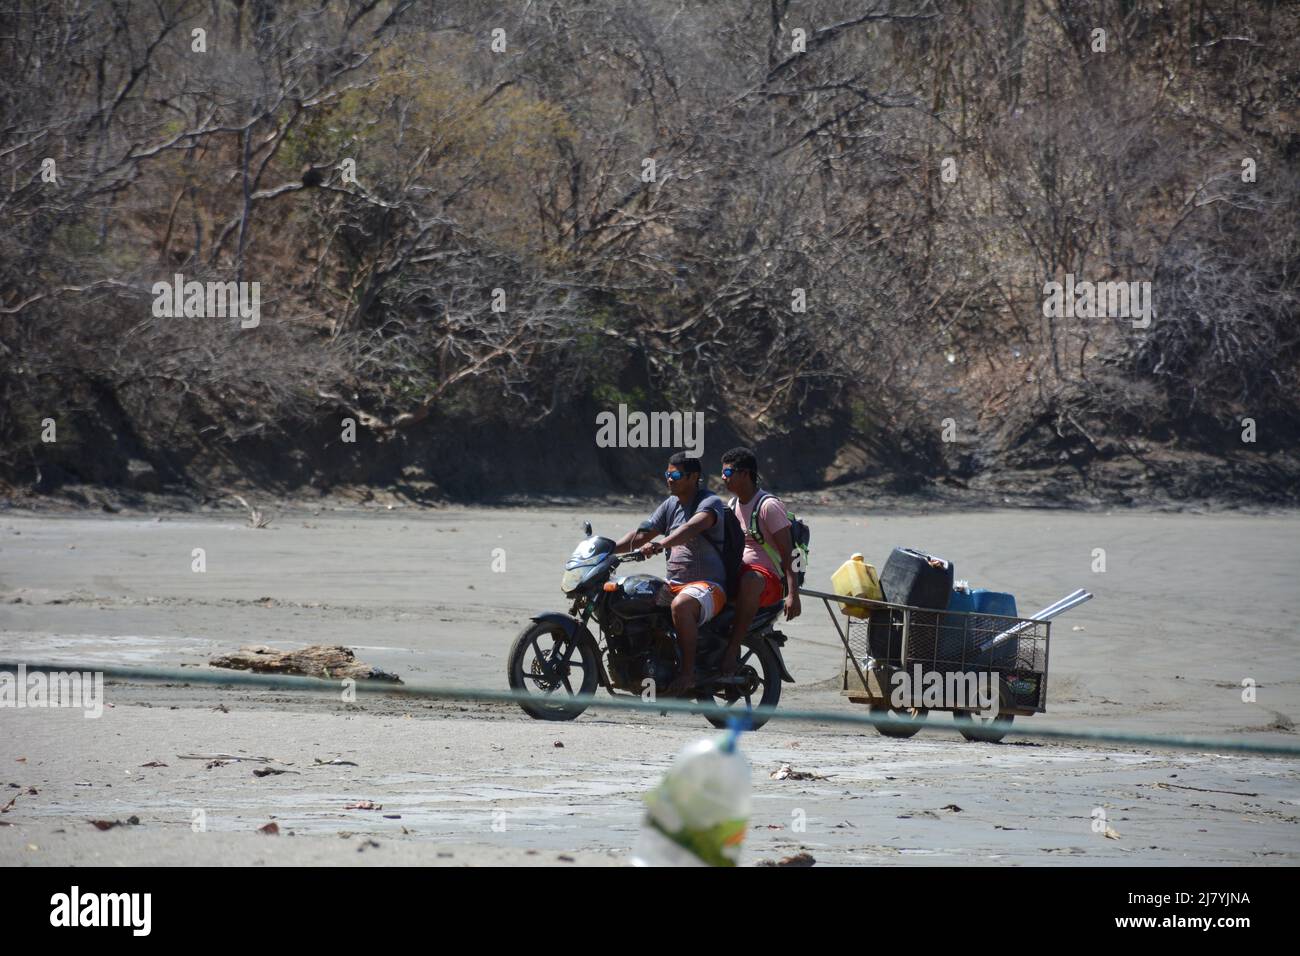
(572, 578)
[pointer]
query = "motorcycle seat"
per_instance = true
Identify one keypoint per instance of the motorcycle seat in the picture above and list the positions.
(764, 616)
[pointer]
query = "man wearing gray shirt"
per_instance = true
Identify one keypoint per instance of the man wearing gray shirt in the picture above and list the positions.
(690, 520)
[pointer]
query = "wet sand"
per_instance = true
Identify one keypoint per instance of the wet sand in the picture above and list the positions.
(1188, 607)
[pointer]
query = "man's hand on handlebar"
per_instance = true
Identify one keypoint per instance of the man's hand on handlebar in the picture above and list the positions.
(650, 548)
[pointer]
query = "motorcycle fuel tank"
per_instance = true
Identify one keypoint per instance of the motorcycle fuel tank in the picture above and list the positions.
(641, 594)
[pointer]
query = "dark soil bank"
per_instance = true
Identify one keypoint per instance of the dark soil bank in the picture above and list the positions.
(103, 457)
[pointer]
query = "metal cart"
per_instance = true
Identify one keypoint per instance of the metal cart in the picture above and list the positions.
(973, 658)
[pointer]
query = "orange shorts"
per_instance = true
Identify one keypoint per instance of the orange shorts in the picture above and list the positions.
(772, 590)
(711, 598)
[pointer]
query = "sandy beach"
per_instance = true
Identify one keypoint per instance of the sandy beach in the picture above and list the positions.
(1188, 607)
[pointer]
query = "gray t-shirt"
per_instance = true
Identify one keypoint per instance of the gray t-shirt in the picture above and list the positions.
(698, 559)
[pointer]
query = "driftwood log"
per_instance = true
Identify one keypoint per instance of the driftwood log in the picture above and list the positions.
(318, 660)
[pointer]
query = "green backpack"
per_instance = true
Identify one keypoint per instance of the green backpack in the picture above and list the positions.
(799, 538)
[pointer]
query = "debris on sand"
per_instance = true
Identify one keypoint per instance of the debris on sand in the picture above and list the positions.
(153, 763)
(799, 859)
(268, 771)
(1281, 722)
(223, 757)
(256, 517)
(271, 829)
(364, 805)
(109, 824)
(336, 762)
(786, 772)
(1176, 786)
(333, 662)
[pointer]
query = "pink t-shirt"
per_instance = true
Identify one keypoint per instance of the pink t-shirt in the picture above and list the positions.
(771, 519)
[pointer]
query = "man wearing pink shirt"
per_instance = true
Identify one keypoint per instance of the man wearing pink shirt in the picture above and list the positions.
(765, 564)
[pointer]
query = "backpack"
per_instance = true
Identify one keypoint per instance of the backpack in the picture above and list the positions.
(732, 549)
(800, 537)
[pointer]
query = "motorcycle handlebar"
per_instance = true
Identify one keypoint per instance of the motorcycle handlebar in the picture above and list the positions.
(631, 556)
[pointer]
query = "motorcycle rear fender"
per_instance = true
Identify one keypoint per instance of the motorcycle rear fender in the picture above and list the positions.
(576, 631)
(777, 640)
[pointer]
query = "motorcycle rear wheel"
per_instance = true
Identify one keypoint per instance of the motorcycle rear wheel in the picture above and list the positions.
(531, 670)
(758, 661)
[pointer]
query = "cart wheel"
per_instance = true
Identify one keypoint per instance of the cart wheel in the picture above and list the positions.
(988, 729)
(916, 715)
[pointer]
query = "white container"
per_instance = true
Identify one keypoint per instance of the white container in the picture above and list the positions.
(698, 814)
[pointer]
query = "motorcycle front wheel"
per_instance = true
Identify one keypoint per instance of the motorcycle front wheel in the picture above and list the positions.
(545, 664)
(760, 687)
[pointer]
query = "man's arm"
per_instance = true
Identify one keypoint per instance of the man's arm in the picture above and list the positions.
(684, 533)
(691, 529)
(785, 547)
(634, 539)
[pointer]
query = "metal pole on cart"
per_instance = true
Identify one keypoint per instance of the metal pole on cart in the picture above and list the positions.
(1069, 602)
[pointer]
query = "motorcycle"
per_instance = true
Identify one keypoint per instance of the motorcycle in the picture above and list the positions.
(557, 656)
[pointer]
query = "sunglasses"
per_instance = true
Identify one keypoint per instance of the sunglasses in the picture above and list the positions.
(675, 475)
(729, 471)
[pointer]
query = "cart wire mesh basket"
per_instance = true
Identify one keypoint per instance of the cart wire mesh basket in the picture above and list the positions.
(955, 641)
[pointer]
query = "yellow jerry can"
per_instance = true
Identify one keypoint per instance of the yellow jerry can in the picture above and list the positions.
(856, 578)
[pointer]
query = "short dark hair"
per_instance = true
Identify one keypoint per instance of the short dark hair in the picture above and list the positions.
(687, 464)
(742, 458)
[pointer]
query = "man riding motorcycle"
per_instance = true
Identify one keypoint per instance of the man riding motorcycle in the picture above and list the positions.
(690, 520)
(767, 574)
